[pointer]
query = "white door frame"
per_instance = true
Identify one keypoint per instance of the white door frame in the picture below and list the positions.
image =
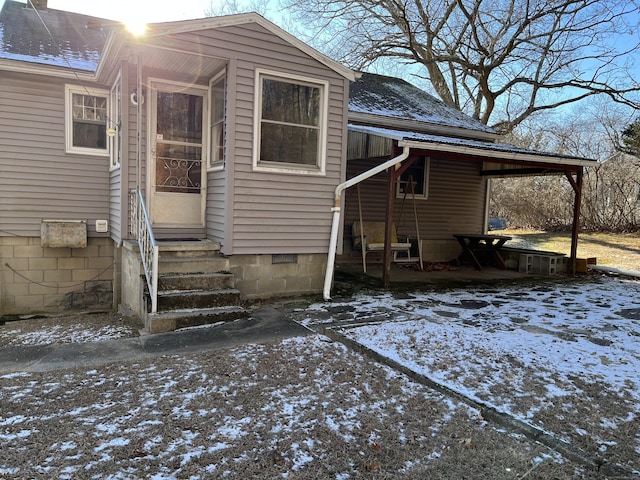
(161, 205)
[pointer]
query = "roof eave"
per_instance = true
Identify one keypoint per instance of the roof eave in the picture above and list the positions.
(20, 66)
(110, 52)
(497, 154)
(415, 125)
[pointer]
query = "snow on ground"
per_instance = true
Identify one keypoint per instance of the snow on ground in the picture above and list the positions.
(64, 329)
(69, 334)
(302, 408)
(563, 358)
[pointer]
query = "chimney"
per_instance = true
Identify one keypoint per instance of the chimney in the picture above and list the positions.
(37, 4)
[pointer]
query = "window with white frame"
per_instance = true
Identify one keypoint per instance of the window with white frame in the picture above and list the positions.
(114, 132)
(415, 180)
(86, 115)
(290, 124)
(217, 86)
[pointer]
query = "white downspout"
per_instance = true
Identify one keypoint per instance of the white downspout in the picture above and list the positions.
(335, 224)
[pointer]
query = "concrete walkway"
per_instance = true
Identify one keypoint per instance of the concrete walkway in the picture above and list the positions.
(264, 325)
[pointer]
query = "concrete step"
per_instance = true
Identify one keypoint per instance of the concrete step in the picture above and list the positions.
(188, 248)
(207, 264)
(172, 320)
(193, 299)
(194, 287)
(196, 281)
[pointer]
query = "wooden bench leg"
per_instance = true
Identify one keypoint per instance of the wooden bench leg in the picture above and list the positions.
(364, 259)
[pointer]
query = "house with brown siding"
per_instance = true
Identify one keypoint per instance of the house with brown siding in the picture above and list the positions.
(204, 162)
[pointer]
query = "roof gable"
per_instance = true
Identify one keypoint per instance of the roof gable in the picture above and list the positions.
(50, 37)
(388, 99)
(73, 41)
(168, 28)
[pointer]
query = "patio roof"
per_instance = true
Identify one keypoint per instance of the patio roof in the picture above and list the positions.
(499, 158)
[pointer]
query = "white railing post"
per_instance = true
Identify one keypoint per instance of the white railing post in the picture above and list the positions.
(154, 279)
(149, 252)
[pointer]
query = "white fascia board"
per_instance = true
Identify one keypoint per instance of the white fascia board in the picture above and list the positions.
(185, 26)
(497, 154)
(50, 71)
(418, 126)
(112, 47)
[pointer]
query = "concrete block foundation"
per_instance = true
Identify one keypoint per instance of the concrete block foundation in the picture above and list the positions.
(46, 280)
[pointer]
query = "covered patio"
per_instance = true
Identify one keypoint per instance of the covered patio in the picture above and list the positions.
(490, 160)
(417, 183)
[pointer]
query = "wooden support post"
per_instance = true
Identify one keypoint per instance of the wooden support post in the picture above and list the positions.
(575, 228)
(388, 231)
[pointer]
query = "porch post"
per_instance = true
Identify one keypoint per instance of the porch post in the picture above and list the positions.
(386, 257)
(139, 124)
(577, 188)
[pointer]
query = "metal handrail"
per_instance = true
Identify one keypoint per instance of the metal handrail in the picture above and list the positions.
(140, 228)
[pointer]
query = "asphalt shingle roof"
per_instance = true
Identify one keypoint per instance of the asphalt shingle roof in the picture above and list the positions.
(50, 37)
(393, 97)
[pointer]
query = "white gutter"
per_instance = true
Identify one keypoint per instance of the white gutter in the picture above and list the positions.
(335, 224)
(48, 70)
(402, 124)
(496, 155)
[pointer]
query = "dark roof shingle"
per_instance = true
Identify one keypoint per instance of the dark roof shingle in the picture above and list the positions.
(395, 98)
(50, 37)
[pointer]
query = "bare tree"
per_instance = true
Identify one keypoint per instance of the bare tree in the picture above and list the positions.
(611, 191)
(499, 60)
(231, 7)
(612, 195)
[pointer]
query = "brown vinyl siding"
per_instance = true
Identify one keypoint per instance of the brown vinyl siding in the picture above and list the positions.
(118, 185)
(257, 212)
(37, 178)
(248, 212)
(262, 212)
(455, 203)
(130, 150)
(215, 208)
(217, 191)
(115, 204)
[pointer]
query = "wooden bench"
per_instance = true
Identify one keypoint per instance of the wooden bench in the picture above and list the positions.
(369, 237)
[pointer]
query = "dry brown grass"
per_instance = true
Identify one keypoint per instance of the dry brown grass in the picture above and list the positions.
(302, 408)
(72, 328)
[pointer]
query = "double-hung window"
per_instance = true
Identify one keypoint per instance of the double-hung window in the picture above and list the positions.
(217, 87)
(114, 132)
(86, 116)
(290, 123)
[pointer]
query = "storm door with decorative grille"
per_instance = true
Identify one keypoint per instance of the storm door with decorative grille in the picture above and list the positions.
(177, 165)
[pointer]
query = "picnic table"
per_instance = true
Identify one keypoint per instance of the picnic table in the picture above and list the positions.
(483, 245)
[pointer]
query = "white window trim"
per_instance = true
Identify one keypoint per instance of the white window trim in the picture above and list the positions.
(115, 142)
(218, 165)
(68, 125)
(425, 187)
(273, 167)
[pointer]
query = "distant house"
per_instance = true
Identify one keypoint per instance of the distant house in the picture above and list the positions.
(209, 147)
